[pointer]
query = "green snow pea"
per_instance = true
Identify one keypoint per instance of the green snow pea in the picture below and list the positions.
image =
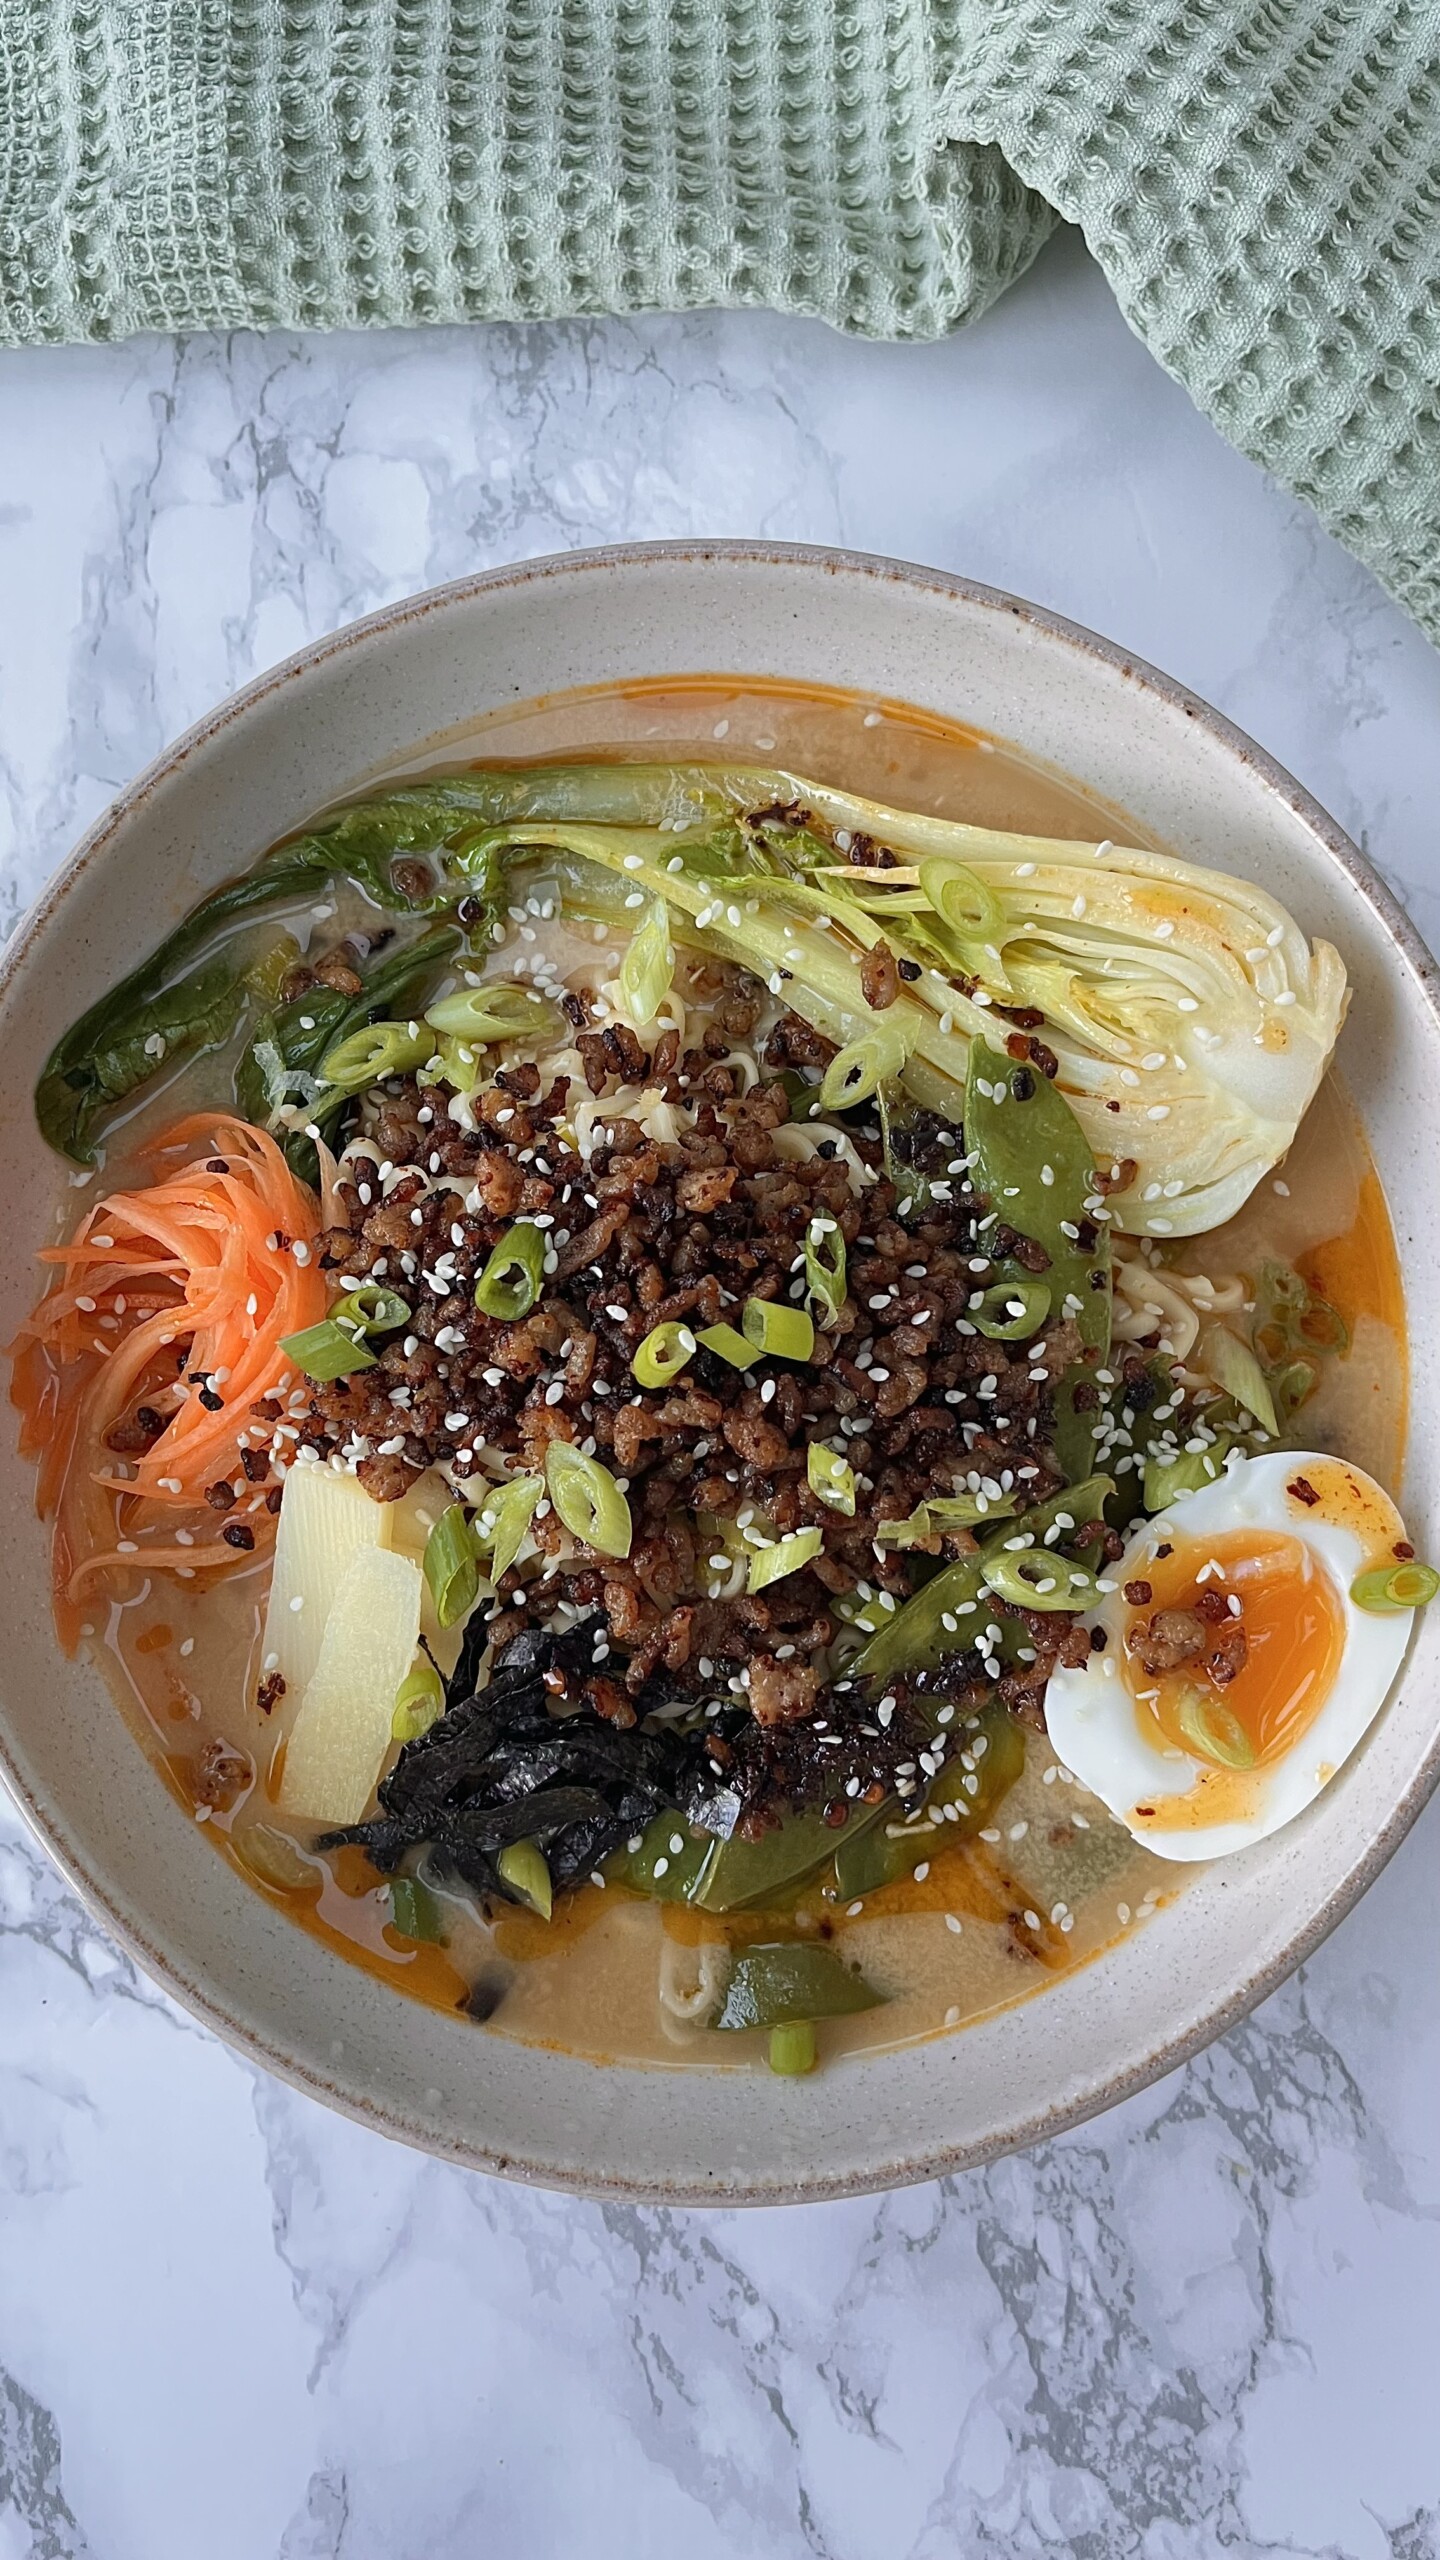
(776, 1985)
(737, 1872)
(657, 1867)
(1019, 1130)
(885, 1851)
(916, 1637)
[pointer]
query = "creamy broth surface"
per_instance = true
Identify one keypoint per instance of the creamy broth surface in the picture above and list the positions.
(992, 1920)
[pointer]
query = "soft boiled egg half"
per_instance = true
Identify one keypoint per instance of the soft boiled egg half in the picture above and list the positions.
(1238, 1672)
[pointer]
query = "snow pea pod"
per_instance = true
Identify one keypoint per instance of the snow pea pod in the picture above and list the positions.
(916, 1637)
(738, 1873)
(887, 1850)
(771, 1986)
(1030, 1158)
(656, 1866)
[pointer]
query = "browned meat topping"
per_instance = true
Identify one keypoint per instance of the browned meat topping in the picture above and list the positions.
(1207, 1634)
(645, 1233)
(1170, 1638)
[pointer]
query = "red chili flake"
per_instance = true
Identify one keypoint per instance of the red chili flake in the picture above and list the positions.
(270, 1693)
(236, 1533)
(1164, 1550)
(1303, 1491)
(1139, 1594)
(1403, 1549)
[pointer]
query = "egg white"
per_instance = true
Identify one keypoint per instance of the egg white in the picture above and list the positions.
(1090, 1713)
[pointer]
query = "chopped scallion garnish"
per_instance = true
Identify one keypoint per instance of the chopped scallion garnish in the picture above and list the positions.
(831, 1479)
(1390, 1587)
(588, 1499)
(514, 1276)
(782, 1333)
(452, 1568)
(327, 1350)
(772, 1564)
(663, 1354)
(825, 1268)
(730, 1346)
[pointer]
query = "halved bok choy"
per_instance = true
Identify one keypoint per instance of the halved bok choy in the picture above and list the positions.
(1189, 1018)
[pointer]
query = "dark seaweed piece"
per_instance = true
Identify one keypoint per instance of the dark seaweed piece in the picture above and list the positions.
(502, 1766)
(505, 1765)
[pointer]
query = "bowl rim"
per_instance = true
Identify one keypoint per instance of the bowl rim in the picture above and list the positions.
(202, 2002)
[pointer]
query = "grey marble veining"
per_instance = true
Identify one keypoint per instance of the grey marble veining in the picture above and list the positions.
(232, 2325)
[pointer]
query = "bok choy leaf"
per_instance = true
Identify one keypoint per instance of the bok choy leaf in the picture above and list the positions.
(1188, 1018)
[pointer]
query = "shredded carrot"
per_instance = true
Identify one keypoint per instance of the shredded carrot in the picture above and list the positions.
(178, 1297)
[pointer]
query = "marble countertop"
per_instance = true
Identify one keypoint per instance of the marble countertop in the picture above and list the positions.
(232, 2325)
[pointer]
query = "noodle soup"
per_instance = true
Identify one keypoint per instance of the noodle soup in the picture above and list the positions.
(699, 1475)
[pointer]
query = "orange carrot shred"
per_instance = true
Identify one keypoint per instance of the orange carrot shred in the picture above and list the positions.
(177, 1296)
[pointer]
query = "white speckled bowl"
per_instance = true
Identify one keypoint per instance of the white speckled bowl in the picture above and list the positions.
(301, 737)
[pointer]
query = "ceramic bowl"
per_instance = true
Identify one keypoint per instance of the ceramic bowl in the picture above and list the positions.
(305, 735)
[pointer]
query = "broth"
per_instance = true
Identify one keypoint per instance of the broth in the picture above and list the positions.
(1055, 1879)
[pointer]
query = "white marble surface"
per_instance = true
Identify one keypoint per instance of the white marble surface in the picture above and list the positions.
(233, 2326)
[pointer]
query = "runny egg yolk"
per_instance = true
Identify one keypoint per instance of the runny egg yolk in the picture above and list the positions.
(1294, 1639)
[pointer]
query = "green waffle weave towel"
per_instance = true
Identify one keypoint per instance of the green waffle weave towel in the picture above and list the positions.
(1260, 180)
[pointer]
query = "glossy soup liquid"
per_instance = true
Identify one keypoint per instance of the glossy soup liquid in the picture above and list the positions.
(991, 1920)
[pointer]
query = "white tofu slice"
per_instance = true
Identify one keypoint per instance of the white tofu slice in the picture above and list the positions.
(342, 1732)
(326, 1520)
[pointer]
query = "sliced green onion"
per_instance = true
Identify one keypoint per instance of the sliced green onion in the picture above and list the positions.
(502, 1520)
(488, 1015)
(1388, 1587)
(1166, 1479)
(419, 1701)
(325, 1350)
(1038, 1578)
(730, 1346)
(452, 1569)
(522, 1866)
(379, 1049)
(514, 1276)
(825, 1268)
(372, 1309)
(647, 971)
(783, 1333)
(963, 1510)
(1233, 1366)
(1214, 1731)
(1011, 1310)
(771, 1564)
(792, 2049)
(588, 1499)
(831, 1479)
(1293, 1386)
(942, 1513)
(968, 907)
(854, 1072)
(915, 1531)
(462, 1064)
(663, 1354)
(415, 1912)
(867, 1617)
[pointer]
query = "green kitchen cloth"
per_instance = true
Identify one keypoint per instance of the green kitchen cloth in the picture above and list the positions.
(1260, 180)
